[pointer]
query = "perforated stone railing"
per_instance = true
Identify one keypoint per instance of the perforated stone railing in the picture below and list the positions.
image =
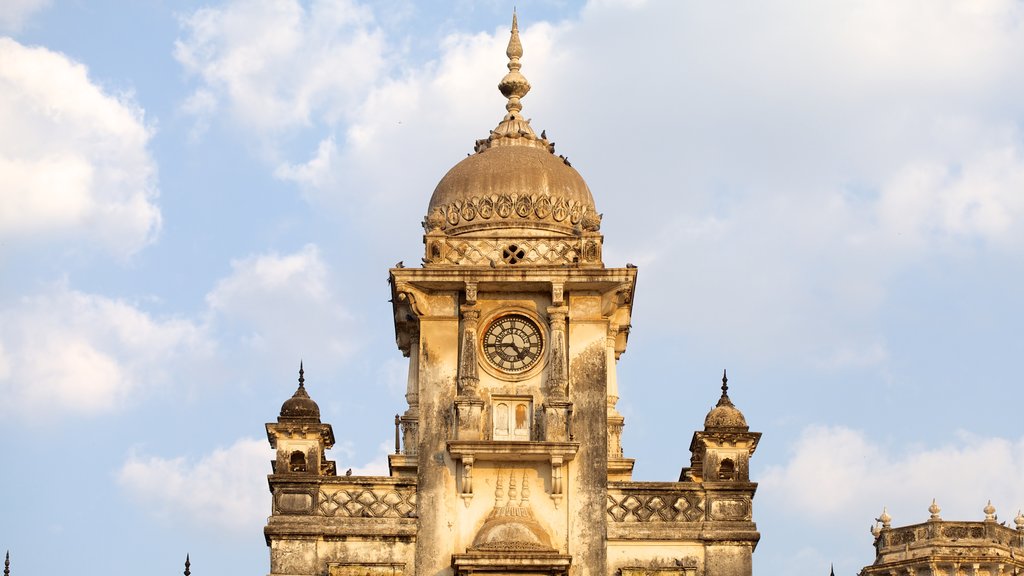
(640, 504)
(365, 502)
(942, 532)
(553, 250)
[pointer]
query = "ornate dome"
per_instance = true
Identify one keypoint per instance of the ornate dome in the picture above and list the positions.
(725, 414)
(514, 179)
(300, 407)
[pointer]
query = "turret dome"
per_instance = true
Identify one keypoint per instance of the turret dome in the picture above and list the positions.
(725, 414)
(300, 407)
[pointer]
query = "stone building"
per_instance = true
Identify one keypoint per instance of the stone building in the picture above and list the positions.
(509, 458)
(942, 548)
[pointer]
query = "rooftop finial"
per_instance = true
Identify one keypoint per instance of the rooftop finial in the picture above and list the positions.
(724, 400)
(885, 519)
(7, 564)
(514, 85)
(187, 565)
(302, 376)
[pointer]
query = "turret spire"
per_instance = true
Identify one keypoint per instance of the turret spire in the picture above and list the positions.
(514, 85)
(724, 400)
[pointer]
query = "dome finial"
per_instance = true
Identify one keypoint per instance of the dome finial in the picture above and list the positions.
(188, 565)
(514, 85)
(302, 376)
(7, 564)
(725, 384)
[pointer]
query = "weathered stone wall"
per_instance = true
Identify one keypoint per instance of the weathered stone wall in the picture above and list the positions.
(439, 346)
(588, 473)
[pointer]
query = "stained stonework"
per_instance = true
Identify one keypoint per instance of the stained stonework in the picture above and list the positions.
(509, 455)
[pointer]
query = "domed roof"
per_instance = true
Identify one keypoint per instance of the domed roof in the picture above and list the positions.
(514, 179)
(725, 414)
(300, 407)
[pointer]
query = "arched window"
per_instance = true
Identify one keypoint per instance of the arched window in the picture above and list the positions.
(727, 470)
(502, 420)
(521, 422)
(298, 462)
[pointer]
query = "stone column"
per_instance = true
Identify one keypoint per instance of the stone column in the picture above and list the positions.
(615, 420)
(410, 420)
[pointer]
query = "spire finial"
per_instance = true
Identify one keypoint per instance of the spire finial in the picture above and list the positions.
(514, 85)
(302, 376)
(885, 519)
(725, 383)
(187, 565)
(7, 564)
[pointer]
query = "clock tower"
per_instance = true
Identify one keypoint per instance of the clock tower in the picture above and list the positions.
(512, 326)
(508, 456)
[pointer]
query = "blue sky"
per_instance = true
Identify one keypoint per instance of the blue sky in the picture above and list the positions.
(825, 198)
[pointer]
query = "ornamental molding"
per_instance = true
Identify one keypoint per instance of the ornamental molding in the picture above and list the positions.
(513, 207)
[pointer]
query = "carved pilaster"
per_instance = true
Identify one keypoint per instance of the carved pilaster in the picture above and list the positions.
(468, 375)
(412, 387)
(613, 380)
(557, 373)
(615, 424)
(410, 433)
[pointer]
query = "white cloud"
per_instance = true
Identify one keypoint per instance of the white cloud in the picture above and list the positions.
(14, 13)
(226, 489)
(980, 198)
(245, 53)
(838, 473)
(73, 159)
(317, 172)
(70, 352)
(284, 304)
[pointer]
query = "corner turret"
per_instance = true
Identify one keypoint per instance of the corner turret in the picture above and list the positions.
(299, 437)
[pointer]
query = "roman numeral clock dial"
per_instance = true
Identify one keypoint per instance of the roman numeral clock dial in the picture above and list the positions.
(512, 343)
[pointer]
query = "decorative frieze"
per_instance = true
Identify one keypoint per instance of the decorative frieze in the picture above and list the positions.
(494, 252)
(504, 207)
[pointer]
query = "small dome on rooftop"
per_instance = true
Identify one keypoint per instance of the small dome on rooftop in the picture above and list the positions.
(300, 407)
(725, 414)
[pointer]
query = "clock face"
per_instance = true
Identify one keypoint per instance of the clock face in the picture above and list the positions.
(512, 343)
